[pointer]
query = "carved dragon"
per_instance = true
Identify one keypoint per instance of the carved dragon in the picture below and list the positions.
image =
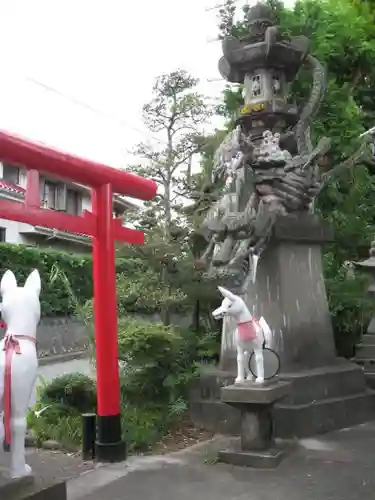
(260, 187)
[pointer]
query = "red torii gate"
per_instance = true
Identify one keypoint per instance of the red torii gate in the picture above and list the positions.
(104, 229)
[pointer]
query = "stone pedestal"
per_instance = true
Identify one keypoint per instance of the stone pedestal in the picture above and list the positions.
(326, 392)
(290, 293)
(29, 489)
(255, 402)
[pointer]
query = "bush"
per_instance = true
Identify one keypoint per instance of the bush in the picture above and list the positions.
(55, 299)
(156, 365)
(142, 292)
(350, 306)
(76, 392)
(64, 400)
(142, 424)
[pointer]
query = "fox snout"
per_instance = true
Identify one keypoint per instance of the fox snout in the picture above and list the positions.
(219, 312)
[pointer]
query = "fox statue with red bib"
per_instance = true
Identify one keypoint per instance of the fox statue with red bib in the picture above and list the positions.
(20, 310)
(251, 335)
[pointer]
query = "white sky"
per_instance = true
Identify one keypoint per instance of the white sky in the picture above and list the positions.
(106, 53)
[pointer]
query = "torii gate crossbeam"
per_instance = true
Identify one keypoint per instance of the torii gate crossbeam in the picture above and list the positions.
(104, 229)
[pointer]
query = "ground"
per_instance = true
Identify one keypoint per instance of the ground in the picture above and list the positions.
(50, 465)
(336, 466)
(181, 436)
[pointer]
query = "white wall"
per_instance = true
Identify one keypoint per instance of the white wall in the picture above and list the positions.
(86, 202)
(23, 178)
(13, 229)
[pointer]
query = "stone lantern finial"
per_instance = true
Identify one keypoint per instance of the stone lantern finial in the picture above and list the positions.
(259, 13)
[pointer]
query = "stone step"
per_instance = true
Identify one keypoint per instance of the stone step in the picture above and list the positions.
(367, 364)
(367, 340)
(365, 351)
(29, 489)
(12, 487)
(324, 416)
(340, 380)
(370, 379)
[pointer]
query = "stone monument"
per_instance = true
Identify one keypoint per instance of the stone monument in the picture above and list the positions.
(20, 310)
(264, 240)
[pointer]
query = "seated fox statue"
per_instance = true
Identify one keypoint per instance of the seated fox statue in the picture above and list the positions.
(20, 310)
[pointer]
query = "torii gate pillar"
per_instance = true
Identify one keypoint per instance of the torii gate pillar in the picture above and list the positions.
(109, 445)
(104, 229)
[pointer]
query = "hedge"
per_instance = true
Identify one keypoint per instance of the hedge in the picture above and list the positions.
(55, 299)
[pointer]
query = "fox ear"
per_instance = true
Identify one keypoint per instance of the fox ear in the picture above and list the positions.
(8, 282)
(226, 293)
(33, 282)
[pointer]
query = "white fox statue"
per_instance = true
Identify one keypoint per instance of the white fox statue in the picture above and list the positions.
(20, 310)
(250, 335)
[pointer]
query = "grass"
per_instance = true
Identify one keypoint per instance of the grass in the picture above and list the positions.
(142, 427)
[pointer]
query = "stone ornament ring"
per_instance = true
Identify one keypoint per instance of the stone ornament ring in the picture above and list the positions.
(271, 364)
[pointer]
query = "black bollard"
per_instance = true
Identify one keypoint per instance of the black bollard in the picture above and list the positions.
(88, 436)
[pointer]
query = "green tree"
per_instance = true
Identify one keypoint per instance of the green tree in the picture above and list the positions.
(176, 114)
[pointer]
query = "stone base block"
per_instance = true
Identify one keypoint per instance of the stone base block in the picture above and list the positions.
(319, 400)
(267, 459)
(250, 393)
(27, 488)
(215, 416)
(368, 367)
(324, 416)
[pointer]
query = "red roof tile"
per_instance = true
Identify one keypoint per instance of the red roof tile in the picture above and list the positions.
(13, 188)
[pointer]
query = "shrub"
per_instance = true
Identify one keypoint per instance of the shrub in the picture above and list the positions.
(66, 397)
(55, 299)
(350, 307)
(143, 292)
(73, 393)
(156, 365)
(62, 402)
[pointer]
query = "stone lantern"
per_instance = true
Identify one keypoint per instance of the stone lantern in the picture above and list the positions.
(365, 355)
(265, 69)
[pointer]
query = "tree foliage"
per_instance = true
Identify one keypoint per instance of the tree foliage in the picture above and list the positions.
(177, 113)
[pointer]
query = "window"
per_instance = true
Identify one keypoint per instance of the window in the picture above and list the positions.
(11, 173)
(50, 195)
(256, 88)
(3, 233)
(73, 202)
